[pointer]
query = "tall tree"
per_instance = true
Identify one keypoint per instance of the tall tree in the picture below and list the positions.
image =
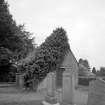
(80, 61)
(84, 63)
(13, 38)
(102, 71)
(94, 70)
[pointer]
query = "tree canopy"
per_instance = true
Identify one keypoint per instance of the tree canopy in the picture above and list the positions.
(94, 70)
(84, 62)
(101, 72)
(12, 36)
(84, 67)
(15, 41)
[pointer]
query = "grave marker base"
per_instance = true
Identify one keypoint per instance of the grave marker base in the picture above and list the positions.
(46, 103)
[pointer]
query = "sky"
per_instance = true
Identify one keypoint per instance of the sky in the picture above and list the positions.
(83, 20)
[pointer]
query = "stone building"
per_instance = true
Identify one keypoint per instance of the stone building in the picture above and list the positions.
(69, 63)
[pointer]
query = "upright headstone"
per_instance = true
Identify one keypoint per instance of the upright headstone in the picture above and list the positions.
(68, 89)
(50, 97)
(43, 85)
(19, 80)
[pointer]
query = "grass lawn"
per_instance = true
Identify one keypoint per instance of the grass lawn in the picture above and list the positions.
(13, 96)
(81, 97)
(22, 103)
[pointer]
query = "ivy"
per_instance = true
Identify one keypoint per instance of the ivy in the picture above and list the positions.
(49, 56)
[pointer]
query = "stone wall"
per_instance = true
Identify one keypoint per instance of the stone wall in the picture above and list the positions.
(96, 94)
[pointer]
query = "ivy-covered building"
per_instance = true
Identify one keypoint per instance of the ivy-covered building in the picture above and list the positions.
(54, 55)
(69, 63)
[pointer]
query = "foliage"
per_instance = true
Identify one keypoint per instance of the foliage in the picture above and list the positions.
(48, 56)
(13, 36)
(85, 81)
(84, 62)
(14, 39)
(94, 70)
(82, 70)
(83, 67)
(5, 56)
(25, 44)
(101, 72)
(85, 73)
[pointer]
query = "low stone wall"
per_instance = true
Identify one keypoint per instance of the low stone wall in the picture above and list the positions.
(96, 95)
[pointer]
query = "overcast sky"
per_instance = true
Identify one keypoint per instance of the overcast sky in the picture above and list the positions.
(84, 21)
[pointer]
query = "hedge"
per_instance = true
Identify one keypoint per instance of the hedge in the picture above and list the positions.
(85, 81)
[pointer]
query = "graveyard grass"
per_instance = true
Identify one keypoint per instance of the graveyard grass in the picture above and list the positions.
(14, 96)
(11, 96)
(22, 103)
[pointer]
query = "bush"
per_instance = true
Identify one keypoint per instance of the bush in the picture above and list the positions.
(85, 81)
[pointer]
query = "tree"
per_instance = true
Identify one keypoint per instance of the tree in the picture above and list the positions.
(48, 56)
(5, 56)
(94, 70)
(6, 24)
(102, 71)
(25, 45)
(13, 38)
(85, 63)
(80, 61)
(84, 67)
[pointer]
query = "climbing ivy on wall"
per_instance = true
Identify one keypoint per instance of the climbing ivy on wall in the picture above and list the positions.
(49, 56)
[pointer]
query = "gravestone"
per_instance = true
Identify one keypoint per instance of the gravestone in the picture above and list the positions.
(51, 84)
(43, 85)
(50, 98)
(19, 80)
(68, 89)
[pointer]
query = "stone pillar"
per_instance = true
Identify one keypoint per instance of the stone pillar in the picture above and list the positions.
(51, 84)
(50, 98)
(35, 84)
(76, 79)
(19, 80)
(68, 87)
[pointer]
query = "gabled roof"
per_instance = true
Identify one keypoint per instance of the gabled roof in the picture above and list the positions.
(68, 57)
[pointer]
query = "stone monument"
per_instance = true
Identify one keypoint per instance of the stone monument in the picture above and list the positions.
(68, 89)
(50, 98)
